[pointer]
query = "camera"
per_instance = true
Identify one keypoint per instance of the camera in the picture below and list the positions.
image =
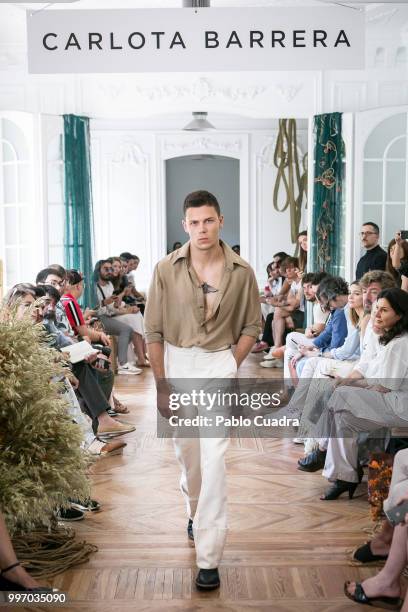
(105, 350)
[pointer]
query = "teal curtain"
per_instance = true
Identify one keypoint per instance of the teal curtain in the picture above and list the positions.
(327, 235)
(79, 234)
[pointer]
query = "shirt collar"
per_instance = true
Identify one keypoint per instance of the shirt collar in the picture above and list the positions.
(231, 257)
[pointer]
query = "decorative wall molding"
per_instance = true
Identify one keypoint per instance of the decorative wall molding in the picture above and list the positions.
(129, 153)
(382, 18)
(201, 90)
(179, 145)
(289, 91)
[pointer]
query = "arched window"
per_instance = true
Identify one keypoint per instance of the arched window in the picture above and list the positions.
(15, 201)
(385, 194)
(401, 56)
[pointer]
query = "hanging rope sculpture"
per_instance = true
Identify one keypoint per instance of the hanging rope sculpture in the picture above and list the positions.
(328, 217)
(289, 176)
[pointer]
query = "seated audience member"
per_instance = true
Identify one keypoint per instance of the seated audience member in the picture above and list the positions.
(378, 548)
(305, 400)
(237, 249)
(384, 589)
(310, 284)
(55, 276)
(121, 283)
(375, 257)
(272, 288)
(176, 245)
(397, 261)
(95, 386)
(289, 314)
(332, 295)
(74, 288)
(302, 241)
(373, 397)
(267, 339)
(49, 297)
(124, 322)
(133, 265)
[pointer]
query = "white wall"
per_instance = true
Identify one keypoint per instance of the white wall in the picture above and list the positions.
(129, 187)
(253, 94)
(216, 174)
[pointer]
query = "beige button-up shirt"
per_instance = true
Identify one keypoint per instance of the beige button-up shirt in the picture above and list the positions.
(175, 309)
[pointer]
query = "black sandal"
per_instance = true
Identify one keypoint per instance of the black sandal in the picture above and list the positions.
(9, 585)
(364, 554)
(385, 603)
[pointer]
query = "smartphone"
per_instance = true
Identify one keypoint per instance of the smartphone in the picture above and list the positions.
(397, 514)
(404, 234)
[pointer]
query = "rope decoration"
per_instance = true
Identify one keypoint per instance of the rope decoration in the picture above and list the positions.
(289, 176)
(45, 553)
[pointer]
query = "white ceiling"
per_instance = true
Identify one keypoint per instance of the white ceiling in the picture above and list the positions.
(99, 4)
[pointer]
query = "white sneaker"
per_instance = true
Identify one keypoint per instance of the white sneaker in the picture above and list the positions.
(269, 355)
(272, 363)
(128, 368)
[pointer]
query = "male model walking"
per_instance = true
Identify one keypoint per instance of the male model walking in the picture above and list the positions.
(203, 299)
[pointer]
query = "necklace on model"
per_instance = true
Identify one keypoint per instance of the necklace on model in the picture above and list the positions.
(208, 288)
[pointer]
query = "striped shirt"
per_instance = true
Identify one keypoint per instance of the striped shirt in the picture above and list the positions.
(73, 311)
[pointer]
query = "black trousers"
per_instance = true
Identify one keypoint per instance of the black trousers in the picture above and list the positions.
(90, 391)
(267, 332)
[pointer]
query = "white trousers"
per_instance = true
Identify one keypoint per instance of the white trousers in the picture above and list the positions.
(202, 459)
(293, 340)
(353, 410)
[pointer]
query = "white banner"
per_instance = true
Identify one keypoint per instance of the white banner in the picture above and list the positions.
(196, 40)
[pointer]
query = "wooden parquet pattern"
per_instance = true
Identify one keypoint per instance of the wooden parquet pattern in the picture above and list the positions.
(286, 549)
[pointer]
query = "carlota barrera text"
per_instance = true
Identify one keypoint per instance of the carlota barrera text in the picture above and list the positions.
(95, 41)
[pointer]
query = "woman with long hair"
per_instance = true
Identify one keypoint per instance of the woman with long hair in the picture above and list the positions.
(303, 248)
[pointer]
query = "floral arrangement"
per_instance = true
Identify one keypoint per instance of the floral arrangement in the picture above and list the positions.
(379, 479)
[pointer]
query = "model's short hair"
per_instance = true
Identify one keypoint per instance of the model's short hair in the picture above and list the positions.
(195, 199)
(385, 279)
(373, 225)
(44, 274)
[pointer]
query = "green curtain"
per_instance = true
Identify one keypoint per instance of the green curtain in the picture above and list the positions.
(327, 235)
(79, 234)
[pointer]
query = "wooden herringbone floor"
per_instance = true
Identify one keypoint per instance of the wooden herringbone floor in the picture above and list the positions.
(286, 550)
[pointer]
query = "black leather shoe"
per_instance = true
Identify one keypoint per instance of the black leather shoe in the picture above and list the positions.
(190, 529)
(313, 461)
(208, 579)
